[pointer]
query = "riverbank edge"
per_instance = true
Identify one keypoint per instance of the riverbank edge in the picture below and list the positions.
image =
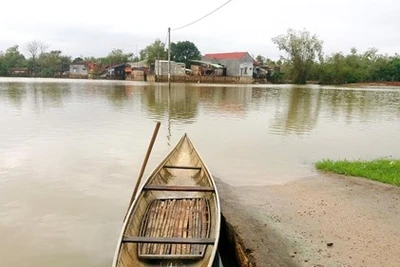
(233, 81)
(243, 230)
(322, 220)
(380, 170)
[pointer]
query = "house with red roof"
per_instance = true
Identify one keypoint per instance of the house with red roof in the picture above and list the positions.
(236, 63)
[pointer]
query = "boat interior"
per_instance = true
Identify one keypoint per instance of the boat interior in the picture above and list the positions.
(173, 214)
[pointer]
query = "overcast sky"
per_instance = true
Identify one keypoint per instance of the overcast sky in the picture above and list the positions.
(93, 28)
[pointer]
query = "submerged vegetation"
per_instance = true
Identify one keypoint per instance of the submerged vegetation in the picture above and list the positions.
(382, 170)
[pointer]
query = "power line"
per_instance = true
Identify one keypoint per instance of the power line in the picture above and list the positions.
(208, 14)
(166, 37)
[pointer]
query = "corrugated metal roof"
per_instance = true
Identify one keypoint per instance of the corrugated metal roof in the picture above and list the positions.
(217, 66)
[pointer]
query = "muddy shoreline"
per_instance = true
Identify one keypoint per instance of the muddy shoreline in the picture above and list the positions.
(376, 84)
(323, 220)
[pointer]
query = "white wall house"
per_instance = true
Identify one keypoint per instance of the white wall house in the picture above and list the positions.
(177, 69)
(236, 63)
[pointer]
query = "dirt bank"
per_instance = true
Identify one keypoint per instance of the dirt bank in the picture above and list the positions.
(263, 246)
(324, 220)
(375, 84)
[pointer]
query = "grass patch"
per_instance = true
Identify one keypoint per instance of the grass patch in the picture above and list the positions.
(382, 170)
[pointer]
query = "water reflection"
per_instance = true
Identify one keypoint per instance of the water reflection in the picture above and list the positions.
(359, 105)
(177, 103)
(300, 114)
(293, 110)
(118, 95)
(297, 110)
(49, 95)
(15, 93)
(289, 109)
(226, 100)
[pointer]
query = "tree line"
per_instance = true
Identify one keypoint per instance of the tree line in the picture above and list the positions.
(42, 62)
(303, 60)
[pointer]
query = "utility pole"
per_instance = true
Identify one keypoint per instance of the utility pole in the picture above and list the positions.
(169, 55)
(137, 58)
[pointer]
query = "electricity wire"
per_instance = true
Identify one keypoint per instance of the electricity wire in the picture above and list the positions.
(166, 38)
(197, 20)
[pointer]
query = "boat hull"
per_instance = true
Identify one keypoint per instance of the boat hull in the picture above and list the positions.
(175, 218)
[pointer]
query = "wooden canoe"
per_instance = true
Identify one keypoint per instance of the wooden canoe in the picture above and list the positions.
(175, 218)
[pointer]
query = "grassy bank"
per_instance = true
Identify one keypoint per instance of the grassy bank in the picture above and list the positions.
(385, 171)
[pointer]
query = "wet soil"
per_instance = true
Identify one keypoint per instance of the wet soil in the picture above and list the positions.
(324, 220)
(376, 84)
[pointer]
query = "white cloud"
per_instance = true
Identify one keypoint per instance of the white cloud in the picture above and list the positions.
(88, 28)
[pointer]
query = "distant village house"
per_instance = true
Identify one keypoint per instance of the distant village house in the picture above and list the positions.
(139, 71)
(117, 71)
(19, 72)
(176, 68)
(78, 70)
(203, 68)
(238, 64)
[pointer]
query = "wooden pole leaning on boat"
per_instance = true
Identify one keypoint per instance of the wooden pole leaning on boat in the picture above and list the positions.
(146, 158)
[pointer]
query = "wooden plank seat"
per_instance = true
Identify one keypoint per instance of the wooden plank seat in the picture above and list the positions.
(168, 240)
(174, 229)
(182, 167)
(156, 187)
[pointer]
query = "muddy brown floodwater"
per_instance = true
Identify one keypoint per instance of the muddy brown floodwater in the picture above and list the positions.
(70, 152)
(324, 220)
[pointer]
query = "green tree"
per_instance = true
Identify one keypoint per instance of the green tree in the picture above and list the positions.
(117, 56)
(266, 61)
(378, 70)
(53, 63)
(333, 69)
(154, 51)
(2, 67)
(136, 59)
(355, 67)
(35, 48)
(260, 59)
(12, 58)
(389, 71)
(80, 59)
(301, 48)
(270, 62)
(184, 52)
